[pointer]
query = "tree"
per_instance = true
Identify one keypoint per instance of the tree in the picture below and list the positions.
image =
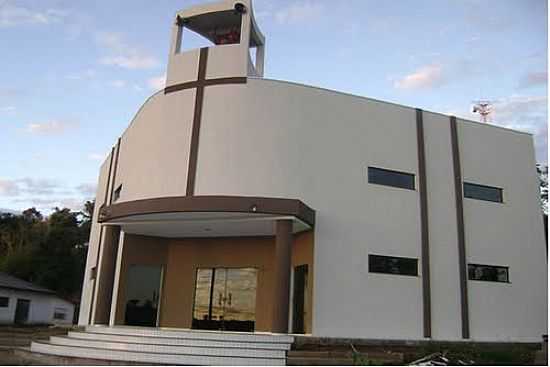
(542, 171)
(49, 251)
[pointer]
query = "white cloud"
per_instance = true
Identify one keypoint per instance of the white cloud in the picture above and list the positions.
(158, 82)
(425, 77)
(7, 109)
(534, 79)
(82, 75)
(96, 157)
(8, 187)
(300, 12)
(123, 55)
(53, 127)
(15, 187)
(13, 14)
(118, 83)
(87, 189)
(44, 193)
(523, 113)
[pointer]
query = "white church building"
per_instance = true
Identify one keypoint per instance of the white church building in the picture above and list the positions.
(260, 209)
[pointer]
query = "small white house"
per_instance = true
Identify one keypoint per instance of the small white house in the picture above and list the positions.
(22, 302)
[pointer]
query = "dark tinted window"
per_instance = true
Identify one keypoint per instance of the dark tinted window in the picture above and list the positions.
(481, 192)
(393, 265)
(116, 194)
(4, 301)
(60, 314)
(488, 273)
(386, 177)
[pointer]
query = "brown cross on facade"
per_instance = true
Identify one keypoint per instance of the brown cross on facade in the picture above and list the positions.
(200, 84)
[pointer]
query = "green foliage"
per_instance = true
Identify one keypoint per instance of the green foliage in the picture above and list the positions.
(51, 251)
(542, 171)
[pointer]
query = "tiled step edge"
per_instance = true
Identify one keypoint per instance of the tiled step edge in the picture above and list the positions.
(170, 349)
(159, 358)
(178, 341)
(193, 334)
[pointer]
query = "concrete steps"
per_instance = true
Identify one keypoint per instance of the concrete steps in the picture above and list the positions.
(169, 346)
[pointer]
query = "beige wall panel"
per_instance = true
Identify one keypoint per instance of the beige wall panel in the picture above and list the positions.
(154, 150)
(446, 310)
(106, 273)
(227, 61)
(186, 255)
(140, 250)
(283, 140)
(93, 246)
(302, 253)
(183, 256)
(509, 234)
(183, 67)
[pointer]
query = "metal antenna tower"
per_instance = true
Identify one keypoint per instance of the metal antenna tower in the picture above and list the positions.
(484, 108)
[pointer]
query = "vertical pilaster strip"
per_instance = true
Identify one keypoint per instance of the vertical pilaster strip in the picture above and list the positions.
(424, 229)
(113, 181)
(92, 300)
(283, 252)
(116, 283)
(460, 230)
(194, 150)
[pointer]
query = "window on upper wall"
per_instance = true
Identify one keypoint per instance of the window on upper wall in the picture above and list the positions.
(482, 192)
(116, 194)
(388, 177)
(393, 265)
(60, 313)
(489, 273)
(4, 301)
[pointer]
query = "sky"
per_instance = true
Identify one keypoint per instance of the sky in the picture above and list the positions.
(74, 73)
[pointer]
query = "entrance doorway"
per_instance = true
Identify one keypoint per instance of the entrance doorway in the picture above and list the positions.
(22, 311)
(143, 286)
(225, 299)
(300, 299)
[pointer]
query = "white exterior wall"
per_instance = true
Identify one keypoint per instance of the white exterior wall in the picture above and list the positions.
(277, 139)
(154, 150)
(443, 232)
(41, 309)
(315, 145)
(509, 234)
(93, 245)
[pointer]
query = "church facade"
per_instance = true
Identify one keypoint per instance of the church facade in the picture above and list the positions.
(238, 203)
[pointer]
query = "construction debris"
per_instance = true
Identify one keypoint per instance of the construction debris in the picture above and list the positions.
(440, 359)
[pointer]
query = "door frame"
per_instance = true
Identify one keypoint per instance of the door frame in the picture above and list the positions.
(213, 268)
(17, 302)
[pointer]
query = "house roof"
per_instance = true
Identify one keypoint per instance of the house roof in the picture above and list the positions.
(11, 282)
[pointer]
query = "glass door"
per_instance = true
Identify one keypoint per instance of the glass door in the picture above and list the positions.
(225, 299)
(143, 285)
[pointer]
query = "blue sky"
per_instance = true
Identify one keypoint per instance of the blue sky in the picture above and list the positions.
(73, 73)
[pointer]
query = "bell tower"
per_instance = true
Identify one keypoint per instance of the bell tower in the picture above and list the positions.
(230, 27)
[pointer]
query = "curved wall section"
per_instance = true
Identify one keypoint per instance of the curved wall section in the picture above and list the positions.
(276, 139)
(154, 150)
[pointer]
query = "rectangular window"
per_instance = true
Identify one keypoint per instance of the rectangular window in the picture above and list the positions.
(386, 177)
(488, 273)
(60, 313)
(4, 301)
(481, 192)
(116, 194)
(393, 265)
(93, 273)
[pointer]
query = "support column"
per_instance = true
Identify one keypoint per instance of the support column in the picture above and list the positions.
(105, 276)
(116, 283)
(283, 251)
